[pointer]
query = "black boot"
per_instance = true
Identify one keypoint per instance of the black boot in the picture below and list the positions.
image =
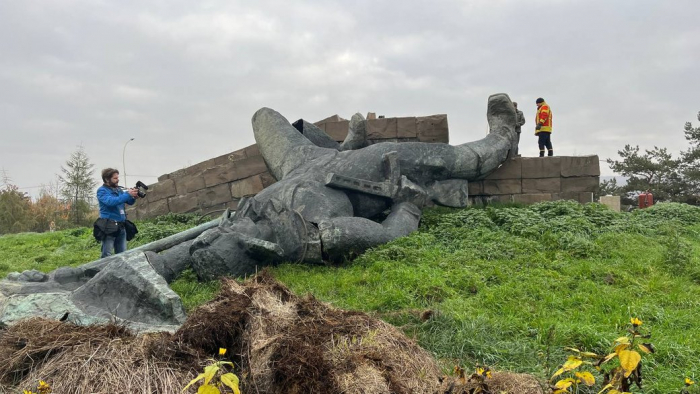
(550, 152)
(541, 153)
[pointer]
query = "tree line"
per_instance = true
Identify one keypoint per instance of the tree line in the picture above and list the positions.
(669, 178)
(67, 202)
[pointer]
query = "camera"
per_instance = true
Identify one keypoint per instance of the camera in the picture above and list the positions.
(141, 187)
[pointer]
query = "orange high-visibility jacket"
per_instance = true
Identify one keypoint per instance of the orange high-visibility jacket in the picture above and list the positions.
(544, 117)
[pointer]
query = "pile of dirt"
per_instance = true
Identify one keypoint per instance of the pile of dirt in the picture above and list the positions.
(281, 343)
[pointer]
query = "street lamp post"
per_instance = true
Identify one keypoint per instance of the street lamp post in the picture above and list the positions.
(124, 162)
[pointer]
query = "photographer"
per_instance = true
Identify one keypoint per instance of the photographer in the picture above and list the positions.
(112, 215)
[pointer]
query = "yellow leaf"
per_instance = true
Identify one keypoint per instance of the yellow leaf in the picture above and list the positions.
(209, 373)
(193, 381)
(643, 348)
(622, 340)
(560, 391)
(208, 389)
(613, 391)
(586, 377)
(572, 363)
(589, 354)
(559, 372)
(689, 382)
(564, 384)
(629, 359)
(621, 347)
(609, 386)
(609, 357)
(231, 381)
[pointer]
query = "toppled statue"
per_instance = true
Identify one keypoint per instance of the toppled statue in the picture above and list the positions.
(320, 208)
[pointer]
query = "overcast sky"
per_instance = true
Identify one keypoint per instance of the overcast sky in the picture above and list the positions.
(184, 77)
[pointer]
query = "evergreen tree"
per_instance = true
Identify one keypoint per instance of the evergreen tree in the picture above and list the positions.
(78, 185)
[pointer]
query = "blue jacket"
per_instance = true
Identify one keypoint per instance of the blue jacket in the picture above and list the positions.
(112, 202)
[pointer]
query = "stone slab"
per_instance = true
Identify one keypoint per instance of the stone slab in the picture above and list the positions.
(541, 167)
(154, 209)
(238, 155)
(182, 204)
(532, 198)
(221, 174)
(250, 166)
(510, 169)
(267, 179)
(580, 166)
(580, 184)
(432, 128)
(337, 130)
(200, 167)
(542, 185)
(161, 190)
(252, 150)
(163, 177)
(214, 195)
(406, 127)
(580, 197)
(382, 128)
(502, 186)
(612, 202)
(189, 183)
(246, 187)
(476, 188)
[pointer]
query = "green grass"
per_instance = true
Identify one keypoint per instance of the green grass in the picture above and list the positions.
(510, 287)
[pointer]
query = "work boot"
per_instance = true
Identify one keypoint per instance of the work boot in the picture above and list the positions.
(550, 153)
(541, 153)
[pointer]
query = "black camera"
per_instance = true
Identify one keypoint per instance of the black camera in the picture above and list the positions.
(141, 187)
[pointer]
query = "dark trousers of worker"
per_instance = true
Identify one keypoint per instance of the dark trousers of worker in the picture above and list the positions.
(545, 141)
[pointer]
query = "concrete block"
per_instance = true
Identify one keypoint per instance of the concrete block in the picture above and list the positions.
(161, 190)
(221, 174)
(200, 167)
(178, 174)
(541, 167)
(532, 198)
(371, 115)
(132, 213)
(252, 150)
(433, 128)
(585, 197)
(502, 186)
(333, 118)
(542, 185)
(163, 177)
(246, 187)
(406, 128)
(612, 202)
(382, 128)
(237, 155)
(580, 184)
(476, 188)
(267, 179)
(510, 169)
(338, 130)
(580, 166)
(250, 166)
(189, 183)
(211, 196)
(183, 204)
(503, 199)
(154, 209)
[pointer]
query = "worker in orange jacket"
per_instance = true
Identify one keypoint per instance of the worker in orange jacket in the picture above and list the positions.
(543, 127)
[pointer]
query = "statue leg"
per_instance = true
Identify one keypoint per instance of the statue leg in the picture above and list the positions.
(347, 237)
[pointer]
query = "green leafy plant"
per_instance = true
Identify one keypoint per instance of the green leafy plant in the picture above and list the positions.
(215, 378)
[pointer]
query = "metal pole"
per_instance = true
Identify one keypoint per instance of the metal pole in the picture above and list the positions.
(124, 162)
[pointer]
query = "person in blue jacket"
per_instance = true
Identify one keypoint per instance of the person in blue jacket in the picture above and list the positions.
(112, 199)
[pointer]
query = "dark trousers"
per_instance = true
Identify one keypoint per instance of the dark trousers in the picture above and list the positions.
(545, 141)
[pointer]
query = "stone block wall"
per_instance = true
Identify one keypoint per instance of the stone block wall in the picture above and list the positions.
(213, 185)
(529, 180)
